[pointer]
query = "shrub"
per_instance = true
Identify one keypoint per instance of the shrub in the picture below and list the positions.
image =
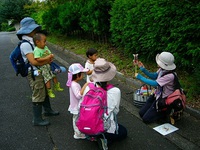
(150, 26)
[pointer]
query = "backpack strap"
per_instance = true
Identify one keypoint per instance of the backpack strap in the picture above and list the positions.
(23, 41)
(177, 84)
(92, 85)
(32, 71)
(109, 86)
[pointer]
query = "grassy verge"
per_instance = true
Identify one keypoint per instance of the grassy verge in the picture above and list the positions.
(123, 64)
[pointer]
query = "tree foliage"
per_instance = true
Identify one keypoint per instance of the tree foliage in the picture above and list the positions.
(14, 9)
(149, 27)
(69, 16)
(146, 27)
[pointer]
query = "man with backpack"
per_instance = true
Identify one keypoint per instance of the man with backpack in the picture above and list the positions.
(111, 131)
(40, 98)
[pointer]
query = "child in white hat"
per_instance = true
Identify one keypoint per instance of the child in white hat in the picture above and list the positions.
(75, 74)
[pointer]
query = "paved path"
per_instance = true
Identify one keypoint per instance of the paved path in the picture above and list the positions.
(17, 132)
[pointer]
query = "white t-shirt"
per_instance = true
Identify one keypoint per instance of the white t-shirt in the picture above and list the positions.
(89, 66)
(26, 48)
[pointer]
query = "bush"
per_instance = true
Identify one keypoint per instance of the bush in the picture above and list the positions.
(150, 26)
(69, 15)
(51, 22)
(4, 26)
(145, 27)
(11, 29)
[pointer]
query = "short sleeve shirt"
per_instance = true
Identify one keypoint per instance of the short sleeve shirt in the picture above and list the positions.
(26, 48)
(89, 66)
(167, 84)
(41, 53)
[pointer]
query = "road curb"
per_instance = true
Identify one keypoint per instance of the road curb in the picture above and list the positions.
(119, 76)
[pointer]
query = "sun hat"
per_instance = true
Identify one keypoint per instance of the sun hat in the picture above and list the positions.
(27, 25)
(103, 70)
(166, 61)
(74, 69)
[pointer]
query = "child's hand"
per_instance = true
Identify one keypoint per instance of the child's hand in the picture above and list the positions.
(52, 56)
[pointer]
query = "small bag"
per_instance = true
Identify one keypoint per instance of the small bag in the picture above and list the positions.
(56, 69)
(163, 103)
(141, 95)
(174, 103)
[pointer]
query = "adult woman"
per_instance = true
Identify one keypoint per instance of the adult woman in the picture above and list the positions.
(104, 72)
(39, 93)
(163, 80)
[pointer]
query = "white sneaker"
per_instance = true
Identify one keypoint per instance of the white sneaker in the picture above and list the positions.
(79, 136)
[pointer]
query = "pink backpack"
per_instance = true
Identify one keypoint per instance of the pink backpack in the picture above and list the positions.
(93, 116)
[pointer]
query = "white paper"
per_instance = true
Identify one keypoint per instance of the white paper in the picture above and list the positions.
(165, 129)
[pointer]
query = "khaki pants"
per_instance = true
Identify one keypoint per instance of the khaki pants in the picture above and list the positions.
(38, 88)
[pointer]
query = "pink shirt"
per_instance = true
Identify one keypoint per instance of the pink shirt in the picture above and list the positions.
(75, 96)
(167, 82)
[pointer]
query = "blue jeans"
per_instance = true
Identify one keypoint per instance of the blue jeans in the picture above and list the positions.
(148, 112)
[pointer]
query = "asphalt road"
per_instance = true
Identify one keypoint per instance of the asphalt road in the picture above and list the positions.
(18, 133)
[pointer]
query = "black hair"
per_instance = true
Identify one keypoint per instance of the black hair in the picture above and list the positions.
(74, 77)
(90, 52)
(102, 84)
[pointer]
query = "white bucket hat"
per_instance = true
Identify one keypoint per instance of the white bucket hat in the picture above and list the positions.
(103, 71)
(27, 25)
(166, 61)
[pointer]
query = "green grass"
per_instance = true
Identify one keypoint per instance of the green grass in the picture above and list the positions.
(123, 63)
(80, 46)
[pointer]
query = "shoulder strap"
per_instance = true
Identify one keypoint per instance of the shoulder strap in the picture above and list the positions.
(176, 81)
(177, 84)
(23, 41)
(32, 71)
(91, 85)
(109, 86)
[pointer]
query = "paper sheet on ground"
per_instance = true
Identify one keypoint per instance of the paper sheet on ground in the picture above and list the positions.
(165, 129)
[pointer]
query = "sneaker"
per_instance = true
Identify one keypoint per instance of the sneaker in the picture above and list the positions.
(102, 144)
(79, 136)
